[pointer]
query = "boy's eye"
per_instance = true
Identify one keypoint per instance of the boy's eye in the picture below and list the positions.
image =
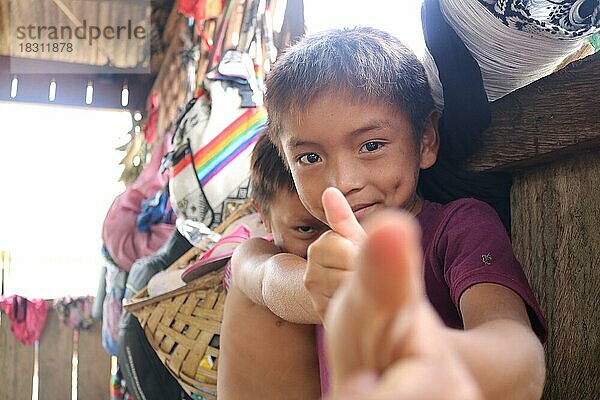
(371, 147)
(305, 229)
(309, 158)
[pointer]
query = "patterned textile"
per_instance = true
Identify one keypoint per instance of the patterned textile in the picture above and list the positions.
(210, 161)
(75, 312)
(552, 18)
(513, 50)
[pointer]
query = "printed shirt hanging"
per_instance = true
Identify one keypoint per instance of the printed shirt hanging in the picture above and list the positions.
(212, 154)
(212, 145)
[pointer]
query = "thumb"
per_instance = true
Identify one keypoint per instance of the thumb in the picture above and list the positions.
(390, 264)
(340, 217)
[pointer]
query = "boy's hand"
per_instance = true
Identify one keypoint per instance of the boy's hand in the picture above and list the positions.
(331, 257)
(384, 339)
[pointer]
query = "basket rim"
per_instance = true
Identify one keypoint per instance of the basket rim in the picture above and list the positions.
(141, 298)
(203, 282)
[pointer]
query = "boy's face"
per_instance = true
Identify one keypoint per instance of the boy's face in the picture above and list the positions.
(367, 151)
(293, 228)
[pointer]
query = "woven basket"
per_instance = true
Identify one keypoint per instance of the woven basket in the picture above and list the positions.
(183, 325)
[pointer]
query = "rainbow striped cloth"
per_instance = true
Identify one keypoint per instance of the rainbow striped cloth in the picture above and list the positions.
(221, 150)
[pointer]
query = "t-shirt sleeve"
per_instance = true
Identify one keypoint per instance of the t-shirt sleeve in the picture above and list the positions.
(476, 248)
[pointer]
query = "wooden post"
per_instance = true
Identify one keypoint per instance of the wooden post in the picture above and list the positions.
(548, 136)
(555, 222)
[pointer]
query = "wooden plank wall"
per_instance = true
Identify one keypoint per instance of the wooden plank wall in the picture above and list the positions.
(55, 360)
(16, 365)
(93, 368)
(555, 221)
(55, 363)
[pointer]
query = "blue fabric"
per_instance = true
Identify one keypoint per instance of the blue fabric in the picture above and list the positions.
(153, 211)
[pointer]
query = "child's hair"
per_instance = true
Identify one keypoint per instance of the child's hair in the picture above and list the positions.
(365, 63)
(268, 174)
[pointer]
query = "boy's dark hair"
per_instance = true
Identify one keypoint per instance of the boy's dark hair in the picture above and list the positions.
(268, 174)
(367, 64)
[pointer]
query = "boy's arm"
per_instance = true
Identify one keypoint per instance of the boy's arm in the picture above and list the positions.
(498, 344)
(274, 280)
(383, 314)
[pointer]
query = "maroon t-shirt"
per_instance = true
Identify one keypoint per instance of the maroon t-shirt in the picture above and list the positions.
(464, 243)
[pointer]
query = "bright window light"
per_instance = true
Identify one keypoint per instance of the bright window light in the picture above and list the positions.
(89, 93)
(13, 87)
(400, 18)
(53, 227)
(52, 92)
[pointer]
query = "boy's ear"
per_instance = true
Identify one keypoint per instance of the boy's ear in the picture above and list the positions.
(430, 141)
(263, 216)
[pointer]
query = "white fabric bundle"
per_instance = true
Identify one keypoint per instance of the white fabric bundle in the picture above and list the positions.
(509, 58)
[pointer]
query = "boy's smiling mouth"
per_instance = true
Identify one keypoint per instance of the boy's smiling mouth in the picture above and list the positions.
(362, 210)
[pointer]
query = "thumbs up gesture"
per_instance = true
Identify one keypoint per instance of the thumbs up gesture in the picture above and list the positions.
(331, 258)
(384, 340)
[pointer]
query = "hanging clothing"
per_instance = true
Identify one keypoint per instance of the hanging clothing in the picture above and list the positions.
(112, 307)
(125, 243)
(75, 312)
(28, 317)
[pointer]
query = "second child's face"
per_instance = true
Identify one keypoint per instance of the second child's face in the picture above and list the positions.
(293, 228)
(367, 151)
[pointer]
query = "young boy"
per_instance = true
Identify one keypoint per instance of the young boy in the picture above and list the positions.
(352, 110)
(263, 356)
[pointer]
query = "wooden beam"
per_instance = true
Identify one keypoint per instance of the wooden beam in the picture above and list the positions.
(544, 121)
(71, 88)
